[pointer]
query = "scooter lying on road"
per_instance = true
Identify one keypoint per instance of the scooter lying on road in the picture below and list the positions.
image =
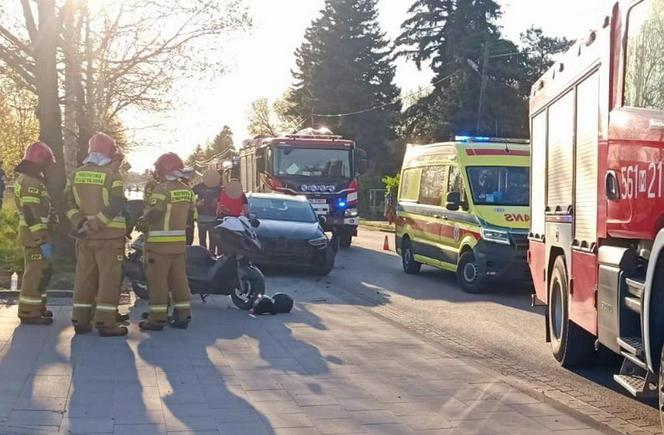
(231, 274)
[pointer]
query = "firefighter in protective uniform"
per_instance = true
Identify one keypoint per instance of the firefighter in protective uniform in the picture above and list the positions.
(35, 220)
(170, 210)
(96, 211)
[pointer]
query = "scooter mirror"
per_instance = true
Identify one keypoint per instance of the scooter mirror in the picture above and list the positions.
(255, 222)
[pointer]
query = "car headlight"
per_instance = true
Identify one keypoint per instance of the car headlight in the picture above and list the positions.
(319, 242)
(351, 212)
(495, 236)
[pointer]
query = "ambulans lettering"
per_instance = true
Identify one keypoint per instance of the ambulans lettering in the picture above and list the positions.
(638, 182)
(511, 217)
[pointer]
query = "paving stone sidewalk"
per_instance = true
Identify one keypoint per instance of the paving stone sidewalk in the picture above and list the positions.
(326, 368)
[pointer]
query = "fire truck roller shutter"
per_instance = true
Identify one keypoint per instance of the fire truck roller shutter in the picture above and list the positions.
(561, 153)
(538, 186)
(587, 124)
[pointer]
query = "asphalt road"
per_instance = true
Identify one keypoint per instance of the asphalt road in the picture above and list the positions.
(501, 320)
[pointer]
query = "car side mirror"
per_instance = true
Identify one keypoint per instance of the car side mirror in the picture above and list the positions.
(453, 201)
(255, 223)
(322, 220)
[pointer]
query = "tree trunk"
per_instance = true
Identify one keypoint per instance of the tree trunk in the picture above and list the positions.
(48, 111)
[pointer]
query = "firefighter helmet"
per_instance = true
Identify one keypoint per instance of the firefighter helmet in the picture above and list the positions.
(104, 144)
(167, 164)
(282, 303)
(40, 154)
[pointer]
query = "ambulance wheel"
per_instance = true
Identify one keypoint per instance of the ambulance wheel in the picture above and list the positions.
(571, 345)
(469, 274)
(410, 266)
(660, 387)
(140, 289)
(253, 284)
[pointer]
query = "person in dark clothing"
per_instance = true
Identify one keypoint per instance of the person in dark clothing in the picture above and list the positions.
(2, 184)
(207, 195)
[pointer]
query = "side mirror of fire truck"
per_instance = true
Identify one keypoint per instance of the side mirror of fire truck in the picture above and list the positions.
(453, 201)
(361, 161)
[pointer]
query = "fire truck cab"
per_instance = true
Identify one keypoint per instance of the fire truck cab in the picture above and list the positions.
(597, 196)
(314, 163)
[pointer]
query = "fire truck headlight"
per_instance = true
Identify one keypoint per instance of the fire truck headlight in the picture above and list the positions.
(495, 236)
(351, 212)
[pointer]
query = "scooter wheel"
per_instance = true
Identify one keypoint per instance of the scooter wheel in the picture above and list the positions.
(254, 285)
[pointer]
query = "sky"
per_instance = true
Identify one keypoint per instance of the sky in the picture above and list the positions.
(259, 63)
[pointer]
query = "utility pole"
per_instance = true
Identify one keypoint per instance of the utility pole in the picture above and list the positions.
(483, 84)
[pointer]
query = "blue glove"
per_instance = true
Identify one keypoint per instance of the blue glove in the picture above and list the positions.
(47, 250)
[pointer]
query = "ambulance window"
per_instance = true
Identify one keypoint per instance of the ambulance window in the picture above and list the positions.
(644, 66)
(410, 184)
(456, 180)
(434, 185)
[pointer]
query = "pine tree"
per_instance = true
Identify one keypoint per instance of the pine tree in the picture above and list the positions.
(344, 66)
(222, 145)
(196, 156)
(452, 36)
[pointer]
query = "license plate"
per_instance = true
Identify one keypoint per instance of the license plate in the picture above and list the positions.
(319, 201)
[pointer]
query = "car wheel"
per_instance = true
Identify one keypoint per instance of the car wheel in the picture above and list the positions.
(469, 274)
(324, 262)
(253, 284)
(570, 344)
(410, 266)
(660, 387)
(345, 239)
(140, 289)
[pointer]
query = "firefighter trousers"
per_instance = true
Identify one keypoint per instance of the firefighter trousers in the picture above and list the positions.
(97, 283)
(166, 272)
(36, 275)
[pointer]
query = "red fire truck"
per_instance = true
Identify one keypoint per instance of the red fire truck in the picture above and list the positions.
(597, 229)
(314, 163)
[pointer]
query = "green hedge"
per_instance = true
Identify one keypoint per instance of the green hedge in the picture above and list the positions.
(11, 255)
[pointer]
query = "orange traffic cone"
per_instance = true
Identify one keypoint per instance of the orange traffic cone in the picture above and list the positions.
(386, 244)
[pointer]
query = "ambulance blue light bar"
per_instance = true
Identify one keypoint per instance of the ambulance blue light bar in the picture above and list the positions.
(487, 139)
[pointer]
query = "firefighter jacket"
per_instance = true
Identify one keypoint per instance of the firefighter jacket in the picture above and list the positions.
(97, 192)
(33, 204)
(171, 209)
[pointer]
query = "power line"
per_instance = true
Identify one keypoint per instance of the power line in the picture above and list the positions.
(382, 106)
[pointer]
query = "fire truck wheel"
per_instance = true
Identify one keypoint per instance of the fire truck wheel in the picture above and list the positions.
(661, 387)
(410, 266)
(469, 275)
(571, 345)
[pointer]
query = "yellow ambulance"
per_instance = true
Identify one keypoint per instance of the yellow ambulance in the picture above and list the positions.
(463, 206)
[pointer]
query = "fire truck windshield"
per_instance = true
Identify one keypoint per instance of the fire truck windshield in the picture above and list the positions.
(494, 185)
(313, 162)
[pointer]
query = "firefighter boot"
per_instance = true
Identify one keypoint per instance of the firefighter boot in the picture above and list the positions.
(146, 325)
(113, 331)
(37, 320)
(82, 329)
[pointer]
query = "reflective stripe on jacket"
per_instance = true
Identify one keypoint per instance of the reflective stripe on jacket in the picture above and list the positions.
(170, 210)
(33, 203)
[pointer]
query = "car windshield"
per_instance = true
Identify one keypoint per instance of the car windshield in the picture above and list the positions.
(282, 210)
(313, 162)
(504, 185)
